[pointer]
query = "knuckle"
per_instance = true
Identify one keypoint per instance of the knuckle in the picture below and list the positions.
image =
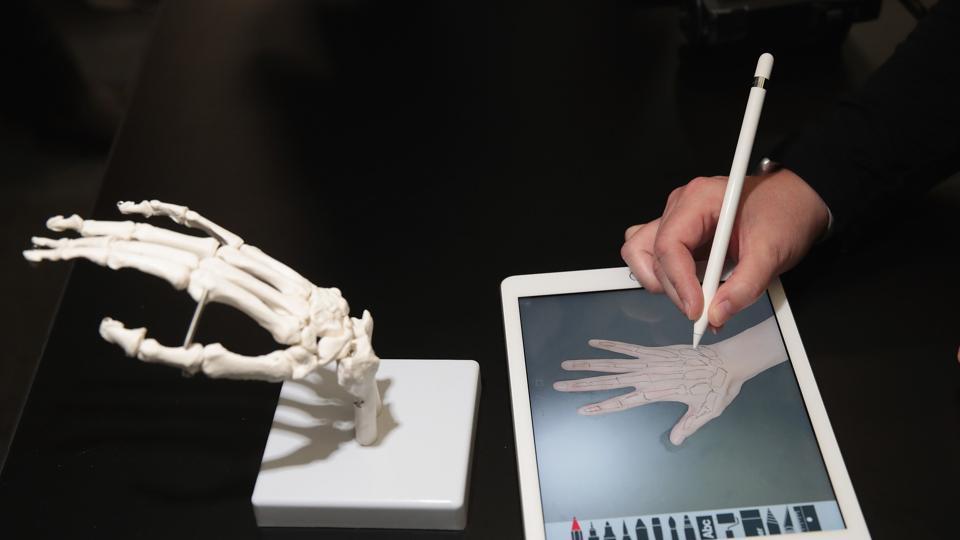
(707, 186)
(746, 292)
(661, 247)
(700, 182)
(633, 230)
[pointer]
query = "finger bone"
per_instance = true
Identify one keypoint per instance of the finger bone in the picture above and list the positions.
(661, 393)
(128, 339)
(130, 230)
(188, 359)
(182, 215)
(60, 223)
(115, 258)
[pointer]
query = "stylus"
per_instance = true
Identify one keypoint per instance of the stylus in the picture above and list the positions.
(731, 196)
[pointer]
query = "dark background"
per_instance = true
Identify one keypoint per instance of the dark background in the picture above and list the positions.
(413, 155)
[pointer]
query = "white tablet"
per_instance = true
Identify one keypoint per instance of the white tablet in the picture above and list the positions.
(625, 431)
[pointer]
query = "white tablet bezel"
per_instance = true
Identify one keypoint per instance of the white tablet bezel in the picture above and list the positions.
(515, 287)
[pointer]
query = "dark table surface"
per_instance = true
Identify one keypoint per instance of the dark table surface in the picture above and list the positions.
(414, 155)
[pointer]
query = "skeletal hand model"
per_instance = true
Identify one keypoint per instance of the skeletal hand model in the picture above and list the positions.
(706, 379)
(315, 322)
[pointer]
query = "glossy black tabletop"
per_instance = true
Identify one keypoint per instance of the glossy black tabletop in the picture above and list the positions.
(415, 154)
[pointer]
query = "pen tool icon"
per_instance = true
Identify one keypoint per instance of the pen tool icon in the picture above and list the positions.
(608, 532)
(642, 530)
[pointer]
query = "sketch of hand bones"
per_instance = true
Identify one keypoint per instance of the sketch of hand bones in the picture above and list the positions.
(313, 321)
(706, 379)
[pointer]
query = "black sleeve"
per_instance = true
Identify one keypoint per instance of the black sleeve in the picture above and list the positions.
(897, 136)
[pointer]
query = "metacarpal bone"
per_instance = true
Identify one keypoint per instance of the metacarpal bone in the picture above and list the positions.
(258, 255)
(286, 285)
(284, 328)
(292, 305)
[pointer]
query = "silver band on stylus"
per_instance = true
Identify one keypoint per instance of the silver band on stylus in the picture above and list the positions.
(759, 82)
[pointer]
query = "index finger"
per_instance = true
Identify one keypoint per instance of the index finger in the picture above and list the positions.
(631, 349)
(606, 365)
(637, 252)
(591, 384)
(687, 228)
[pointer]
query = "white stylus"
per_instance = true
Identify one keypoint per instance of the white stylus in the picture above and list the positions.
(731, 197)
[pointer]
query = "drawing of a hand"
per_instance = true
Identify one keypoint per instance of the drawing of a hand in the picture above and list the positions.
(706, 379)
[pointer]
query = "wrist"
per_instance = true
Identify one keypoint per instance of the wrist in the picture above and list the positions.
(822, 217)
(753, 351)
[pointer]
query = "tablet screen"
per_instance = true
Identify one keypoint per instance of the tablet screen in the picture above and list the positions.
(640, 436)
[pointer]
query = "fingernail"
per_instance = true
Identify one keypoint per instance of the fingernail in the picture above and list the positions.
(721, 312)
(686, 310)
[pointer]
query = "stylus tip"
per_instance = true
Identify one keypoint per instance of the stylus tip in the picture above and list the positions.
(696, 339)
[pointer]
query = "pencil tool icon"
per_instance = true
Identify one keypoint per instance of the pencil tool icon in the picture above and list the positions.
(772, 526)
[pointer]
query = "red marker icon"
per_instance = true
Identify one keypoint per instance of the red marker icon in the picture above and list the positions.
(575, 532)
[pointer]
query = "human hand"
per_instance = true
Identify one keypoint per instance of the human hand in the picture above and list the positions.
(706, 379)
(778, 219)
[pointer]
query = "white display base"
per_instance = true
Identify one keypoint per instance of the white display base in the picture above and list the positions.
(314, 474)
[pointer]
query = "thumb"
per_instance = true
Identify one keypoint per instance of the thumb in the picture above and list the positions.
(697, 416)
(750, 278)
(689, 423)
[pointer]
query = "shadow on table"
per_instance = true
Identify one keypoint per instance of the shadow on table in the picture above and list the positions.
(324, 420)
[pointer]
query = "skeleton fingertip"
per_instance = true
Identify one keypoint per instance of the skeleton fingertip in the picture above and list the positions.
(40, 241)
(59, 223)
(54, 222)
(128, 339)
(33, 255)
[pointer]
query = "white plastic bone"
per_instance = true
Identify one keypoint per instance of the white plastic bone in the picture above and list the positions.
(182, 215)
(313, 321)
(130, 230)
